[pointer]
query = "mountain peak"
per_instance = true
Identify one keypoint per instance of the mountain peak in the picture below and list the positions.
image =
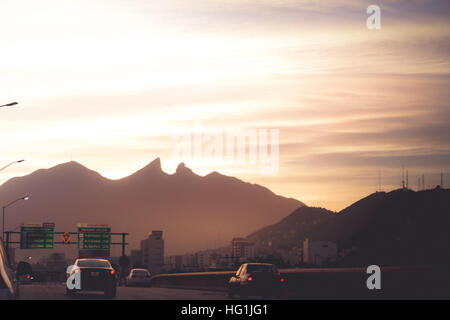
(147, 199)
(70, 166)
(182, 169)
(156, 164)
(152, 169)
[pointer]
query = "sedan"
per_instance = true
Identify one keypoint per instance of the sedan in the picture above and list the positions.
(138, 277)
(256, 279)
(94, 275)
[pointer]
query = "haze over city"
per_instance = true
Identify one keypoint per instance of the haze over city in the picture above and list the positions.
(108, 84)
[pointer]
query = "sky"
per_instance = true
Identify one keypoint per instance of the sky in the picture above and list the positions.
(111, 84)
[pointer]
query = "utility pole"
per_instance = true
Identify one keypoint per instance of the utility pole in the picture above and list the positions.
(379, 180)
(403, 177)
(407, 179)
(123, 243)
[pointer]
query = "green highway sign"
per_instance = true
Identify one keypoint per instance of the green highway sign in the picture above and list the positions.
(37, 236)
(94, 237)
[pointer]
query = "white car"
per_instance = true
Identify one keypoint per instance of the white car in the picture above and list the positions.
(138, 277)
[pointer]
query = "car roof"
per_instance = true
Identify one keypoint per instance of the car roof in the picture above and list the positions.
(92, 259)
(84, 259)
(138, 269)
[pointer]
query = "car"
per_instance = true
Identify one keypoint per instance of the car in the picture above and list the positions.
(256, 279)
(138, 277)
(95, 275)
(25, 278)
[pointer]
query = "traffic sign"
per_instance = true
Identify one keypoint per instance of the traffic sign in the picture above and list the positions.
(66, 237)
(94, 237)
(37, 236)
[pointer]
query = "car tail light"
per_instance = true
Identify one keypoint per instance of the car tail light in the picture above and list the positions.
(28, 276)
(112, 271)
(76, 271)
(250, 278)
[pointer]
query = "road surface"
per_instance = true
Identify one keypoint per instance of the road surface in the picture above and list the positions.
(56, 291)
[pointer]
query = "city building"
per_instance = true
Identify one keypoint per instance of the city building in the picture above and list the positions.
(205, 258)
(242, 249)
(152, 250)
(319, 252)
(174, 263)
(292, 257)
(135, 258)
(200, 261)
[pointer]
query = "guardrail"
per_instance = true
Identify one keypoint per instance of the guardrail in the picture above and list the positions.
(331, 283)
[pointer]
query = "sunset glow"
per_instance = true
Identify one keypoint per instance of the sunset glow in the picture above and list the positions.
(109, 83)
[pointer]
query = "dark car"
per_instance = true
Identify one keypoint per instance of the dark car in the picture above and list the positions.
(96, 275)
(139, 277)
(256, 279)
(26, 278)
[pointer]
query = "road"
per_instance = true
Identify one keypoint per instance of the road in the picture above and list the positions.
(56, 291)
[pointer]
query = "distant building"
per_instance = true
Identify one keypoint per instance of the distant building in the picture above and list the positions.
(205, 258)
(174, 263)
(152, 250)
(200, 261)
(135, 258)
(242, 249)
(292, 257)
(189, 262)
(319, 252)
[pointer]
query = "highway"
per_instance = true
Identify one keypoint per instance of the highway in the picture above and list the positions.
(57, 291)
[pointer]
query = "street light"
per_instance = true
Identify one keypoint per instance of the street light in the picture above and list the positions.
(18, 161)
(9, 104)
(8, 205)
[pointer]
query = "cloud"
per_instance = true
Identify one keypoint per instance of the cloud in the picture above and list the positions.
(97, 80)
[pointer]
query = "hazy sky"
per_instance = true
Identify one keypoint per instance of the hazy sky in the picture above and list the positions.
(108, 83)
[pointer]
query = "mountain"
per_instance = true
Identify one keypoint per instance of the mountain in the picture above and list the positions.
(300, 224)
(195, 212)
(398, 227)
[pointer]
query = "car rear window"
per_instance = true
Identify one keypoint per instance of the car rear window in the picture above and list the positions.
(140, 273)
(93, 264)
(261, 268)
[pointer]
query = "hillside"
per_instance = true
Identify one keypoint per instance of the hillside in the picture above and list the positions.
(402, 226)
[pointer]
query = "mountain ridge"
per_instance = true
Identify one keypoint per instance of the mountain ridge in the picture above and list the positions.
(195, 212)
(397, 227)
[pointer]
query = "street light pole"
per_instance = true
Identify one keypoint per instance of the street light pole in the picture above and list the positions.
(9, 104)
(4, 208)
(18, 161)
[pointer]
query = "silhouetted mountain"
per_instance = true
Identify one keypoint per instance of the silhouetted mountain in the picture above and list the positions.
(290, 231)
(194, 211)
(401, 226)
